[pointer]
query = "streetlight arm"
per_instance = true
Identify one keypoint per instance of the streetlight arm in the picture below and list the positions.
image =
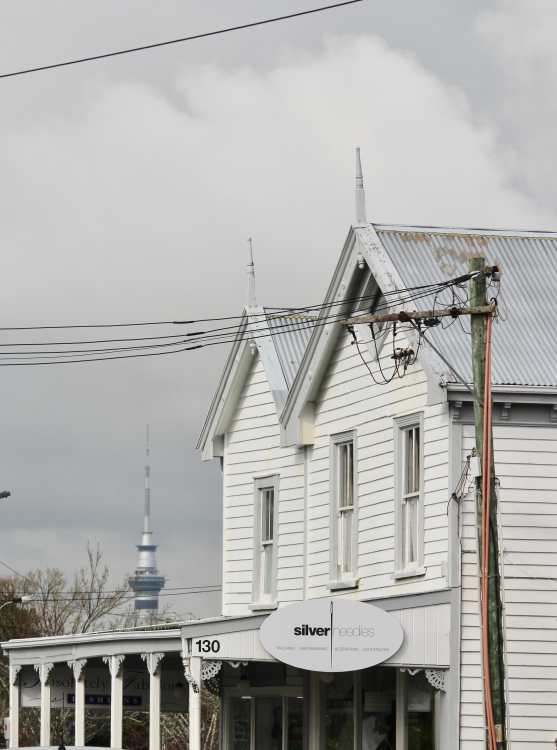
(17, 600)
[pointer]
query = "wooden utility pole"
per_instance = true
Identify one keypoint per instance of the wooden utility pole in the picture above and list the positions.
(492, 631)
(495, 694)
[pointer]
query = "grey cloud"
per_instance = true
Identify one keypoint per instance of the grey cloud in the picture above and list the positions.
(121, 201)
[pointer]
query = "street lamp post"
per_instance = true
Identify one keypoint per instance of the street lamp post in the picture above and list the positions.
(17, 600)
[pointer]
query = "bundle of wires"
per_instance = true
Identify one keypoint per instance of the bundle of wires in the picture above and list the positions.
(27, 351)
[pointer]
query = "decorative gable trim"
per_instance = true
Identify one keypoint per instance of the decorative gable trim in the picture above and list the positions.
(361, 242)
(233, 379)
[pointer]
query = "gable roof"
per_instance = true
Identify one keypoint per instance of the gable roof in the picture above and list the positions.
(522, 342)
(280, 345)
(290, 340)
(400, 257)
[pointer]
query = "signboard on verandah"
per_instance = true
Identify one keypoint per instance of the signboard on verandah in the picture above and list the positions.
(331, 635)
(97, 689)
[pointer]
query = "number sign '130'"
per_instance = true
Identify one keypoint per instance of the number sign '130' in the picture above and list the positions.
(207, 646)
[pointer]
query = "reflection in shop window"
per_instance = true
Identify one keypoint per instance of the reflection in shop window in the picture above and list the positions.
(295, 723)
(268, 723)
(338, 717)
(420, 712)
(240, 722)
(378, 709)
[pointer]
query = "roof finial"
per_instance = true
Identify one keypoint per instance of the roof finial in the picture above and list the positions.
(360, 192)
(252, 300)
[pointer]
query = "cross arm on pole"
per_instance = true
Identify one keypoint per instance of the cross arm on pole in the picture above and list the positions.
(404, 316)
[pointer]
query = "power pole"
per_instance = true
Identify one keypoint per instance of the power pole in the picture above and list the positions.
(481, 315)
(494, 671)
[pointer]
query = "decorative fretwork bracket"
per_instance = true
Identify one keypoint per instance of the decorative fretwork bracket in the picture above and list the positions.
(188, 675)
(210, 669)
(435, 677)
(15, 670)
(114, 663)
(77, 666)
(153, 661)
(44, 671)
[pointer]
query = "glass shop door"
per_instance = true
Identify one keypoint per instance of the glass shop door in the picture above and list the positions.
(265, 723)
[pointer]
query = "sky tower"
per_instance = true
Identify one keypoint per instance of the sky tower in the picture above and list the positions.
(146, 583)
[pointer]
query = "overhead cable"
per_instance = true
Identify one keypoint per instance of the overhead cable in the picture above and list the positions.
(179, 40)
(299, 308)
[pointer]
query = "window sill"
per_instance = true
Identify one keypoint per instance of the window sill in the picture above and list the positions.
(262, 606)
(345, 583)
(409, 573)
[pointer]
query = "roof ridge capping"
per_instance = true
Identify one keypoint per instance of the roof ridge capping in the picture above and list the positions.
(464, 231)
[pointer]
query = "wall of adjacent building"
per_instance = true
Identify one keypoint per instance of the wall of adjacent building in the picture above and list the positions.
(526, 464)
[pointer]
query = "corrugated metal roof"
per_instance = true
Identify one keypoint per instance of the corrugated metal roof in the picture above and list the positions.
(523, 352)
(290, 339)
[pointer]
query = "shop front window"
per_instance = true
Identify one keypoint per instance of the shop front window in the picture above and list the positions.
(240, 724)
(295, 723)
(268, 723)
(359, 711)
(420, 713)
(265, 722)
(338, 716)
(378, 709)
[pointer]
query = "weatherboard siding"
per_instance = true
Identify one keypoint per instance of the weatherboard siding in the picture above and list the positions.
(349, 400)
(252, 449)
(526, 461)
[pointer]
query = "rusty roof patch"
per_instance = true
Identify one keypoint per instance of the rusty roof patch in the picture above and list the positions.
(522, 350)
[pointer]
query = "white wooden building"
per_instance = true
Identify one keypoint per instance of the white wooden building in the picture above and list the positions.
(321, 499)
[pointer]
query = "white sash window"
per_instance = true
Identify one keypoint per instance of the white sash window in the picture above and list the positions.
(409, 492)
(410, 497)
(343, 511)
(345, 508)
(265, 541)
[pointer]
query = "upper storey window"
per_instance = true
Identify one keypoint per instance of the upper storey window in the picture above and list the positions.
(343, 511)
(409, 494)
(266, 495)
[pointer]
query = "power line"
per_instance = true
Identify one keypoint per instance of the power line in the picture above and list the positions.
(289, 321)
(203, 586)
(13, 570)
(84, 598)
(221, 335)
(180, 40)
(276, 312)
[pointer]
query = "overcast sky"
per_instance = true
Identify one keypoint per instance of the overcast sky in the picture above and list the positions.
(129, 187)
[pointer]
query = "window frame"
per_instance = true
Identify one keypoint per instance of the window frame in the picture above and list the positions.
(402, 425)
(349, 580)
(260, 485)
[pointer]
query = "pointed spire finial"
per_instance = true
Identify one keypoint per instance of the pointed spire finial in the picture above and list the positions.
(147, 508)
(360, 192)
(252, 300)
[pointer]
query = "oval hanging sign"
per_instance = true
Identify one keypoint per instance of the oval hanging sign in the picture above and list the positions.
(331, 635)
